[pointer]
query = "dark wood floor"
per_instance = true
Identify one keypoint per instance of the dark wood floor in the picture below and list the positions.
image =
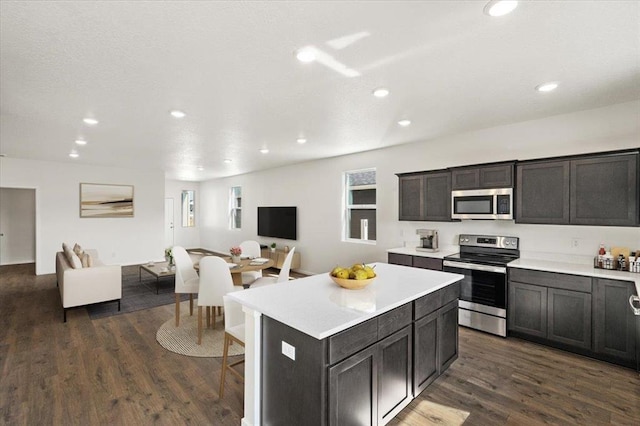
(112, 371)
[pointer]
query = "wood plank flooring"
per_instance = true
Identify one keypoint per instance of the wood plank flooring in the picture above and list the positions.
(112, 371)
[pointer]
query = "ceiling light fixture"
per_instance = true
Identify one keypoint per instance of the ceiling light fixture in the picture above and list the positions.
(200, 168)
(301, 140)
(547, 87)
(90, 121)
(74, 154)
(380, 92)
(177, 113)
(264, 151)
(500, 7)
(81, 142)
(404, 123)
(306, 54)
(227, 161)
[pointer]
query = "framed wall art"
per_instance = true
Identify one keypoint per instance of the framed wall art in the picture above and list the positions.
(106, 200)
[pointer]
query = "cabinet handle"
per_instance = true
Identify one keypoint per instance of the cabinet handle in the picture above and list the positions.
(632, 299)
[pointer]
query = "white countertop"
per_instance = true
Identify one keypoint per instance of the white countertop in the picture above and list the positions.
(447, 251)
(576, 269)
(318, 307)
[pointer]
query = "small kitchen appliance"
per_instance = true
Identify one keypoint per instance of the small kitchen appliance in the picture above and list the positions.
(483, 261)
(428, 240)
(482, 204)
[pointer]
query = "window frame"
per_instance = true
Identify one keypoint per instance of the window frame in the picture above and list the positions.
(347, 207)
(233, 207)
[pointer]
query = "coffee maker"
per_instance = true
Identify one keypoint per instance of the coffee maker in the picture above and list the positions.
(428, 240)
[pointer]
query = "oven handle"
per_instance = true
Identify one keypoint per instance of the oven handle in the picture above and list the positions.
(475, 267)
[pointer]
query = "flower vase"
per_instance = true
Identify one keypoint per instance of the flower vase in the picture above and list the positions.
(235, 259)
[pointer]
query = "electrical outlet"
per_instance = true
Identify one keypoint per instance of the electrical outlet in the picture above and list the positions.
(288, 350)
(574, 243)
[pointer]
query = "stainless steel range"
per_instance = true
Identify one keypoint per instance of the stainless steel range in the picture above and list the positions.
(483, 291)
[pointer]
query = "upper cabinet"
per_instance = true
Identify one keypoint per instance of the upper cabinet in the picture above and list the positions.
(482, 177)
(425, 196)
(598, 190)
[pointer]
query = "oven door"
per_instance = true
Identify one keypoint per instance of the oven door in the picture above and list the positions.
(482, 284)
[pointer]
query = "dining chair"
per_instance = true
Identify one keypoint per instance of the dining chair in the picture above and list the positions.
(282, 277)
(252, 250)
(215, 282)
(186, 281)
(233, 333)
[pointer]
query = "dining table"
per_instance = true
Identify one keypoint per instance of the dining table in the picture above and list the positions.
(245, 265)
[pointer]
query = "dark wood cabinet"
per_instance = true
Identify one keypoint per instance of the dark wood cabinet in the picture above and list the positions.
(480, 177)
(400, 259)
(426, 365)
(569, 317)
(604, 191)
(614, 323)
(425, 196)
(447, 335)
(596, 190)
(542, 192)
(527, 311)
(432, 263)
(395, 368)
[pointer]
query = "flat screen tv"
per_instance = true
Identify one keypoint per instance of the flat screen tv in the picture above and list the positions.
(278, 222)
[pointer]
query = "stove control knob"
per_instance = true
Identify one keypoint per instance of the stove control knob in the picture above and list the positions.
(508, 243)
(466, 240)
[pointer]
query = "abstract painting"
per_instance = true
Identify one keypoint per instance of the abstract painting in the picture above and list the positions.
(105, 200)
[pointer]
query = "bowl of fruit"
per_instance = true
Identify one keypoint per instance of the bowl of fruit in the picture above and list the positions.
(356, 277)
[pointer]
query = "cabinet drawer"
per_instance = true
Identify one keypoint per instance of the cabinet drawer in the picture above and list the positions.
(350, 341)
(427, 263)
(450, 293)
(390, 322)
(429, 303)
(551, 279)
(400, 259)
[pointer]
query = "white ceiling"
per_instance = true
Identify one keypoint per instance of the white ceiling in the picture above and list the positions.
(231, 67)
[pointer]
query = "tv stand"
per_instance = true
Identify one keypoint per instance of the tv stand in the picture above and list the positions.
(278, 256)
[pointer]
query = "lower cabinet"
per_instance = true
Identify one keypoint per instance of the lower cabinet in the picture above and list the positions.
(423, 262)
(569, 317)
(527, 311)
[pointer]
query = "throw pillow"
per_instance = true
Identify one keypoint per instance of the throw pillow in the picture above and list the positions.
(87, 262)
(64, 247)
(78, 250)
(73, 259)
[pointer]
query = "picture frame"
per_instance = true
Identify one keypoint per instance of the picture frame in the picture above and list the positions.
(98, 200)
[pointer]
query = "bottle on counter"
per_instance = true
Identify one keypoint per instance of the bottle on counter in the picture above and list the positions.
(600, 257)
(607, 261)
(622, 266)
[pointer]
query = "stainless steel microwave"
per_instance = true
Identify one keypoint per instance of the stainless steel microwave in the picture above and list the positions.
(482, 204)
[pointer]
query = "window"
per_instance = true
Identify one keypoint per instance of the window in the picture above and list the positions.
(235, 207)
(360, 205)
(188, 208)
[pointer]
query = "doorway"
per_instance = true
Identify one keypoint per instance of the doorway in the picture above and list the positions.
(17, 226)
(168, 222)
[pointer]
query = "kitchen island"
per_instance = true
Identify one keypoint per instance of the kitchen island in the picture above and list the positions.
(318, 354)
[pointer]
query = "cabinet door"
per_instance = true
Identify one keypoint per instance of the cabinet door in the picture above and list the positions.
(400, 259)
(527, 309)
(411, 190)
(353, 385)
(394, 374)
(425, 354)
(569, 317)
(465, 178)
(447, 335)
(497, 176)
(613, 321)
(437, 196)
(427, 263)
(542, 193)
(604, 191)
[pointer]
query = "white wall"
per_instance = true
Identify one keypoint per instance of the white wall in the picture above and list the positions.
(18, 226)
(118, 240)
(185, 237)
(315, 188)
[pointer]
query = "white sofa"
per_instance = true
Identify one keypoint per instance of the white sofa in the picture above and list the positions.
(87, 285)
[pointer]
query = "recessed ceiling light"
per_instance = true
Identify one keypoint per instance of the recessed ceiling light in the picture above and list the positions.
(547, 87)
(90, 121)
(200, 168)
(177, 113)
(500, 7)
(227, 160)
(306, 54)
(74, 154)
(380, 92)
(301, 140)
(404, 123)
(81, 142)
(264, 151)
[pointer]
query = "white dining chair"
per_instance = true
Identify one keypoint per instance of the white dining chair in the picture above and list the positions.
(233, 333)
(282, 277)
(215, 282)
(186, 281)
(250, 249)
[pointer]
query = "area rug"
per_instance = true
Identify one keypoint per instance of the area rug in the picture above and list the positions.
(183, 340)
(137, 294)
